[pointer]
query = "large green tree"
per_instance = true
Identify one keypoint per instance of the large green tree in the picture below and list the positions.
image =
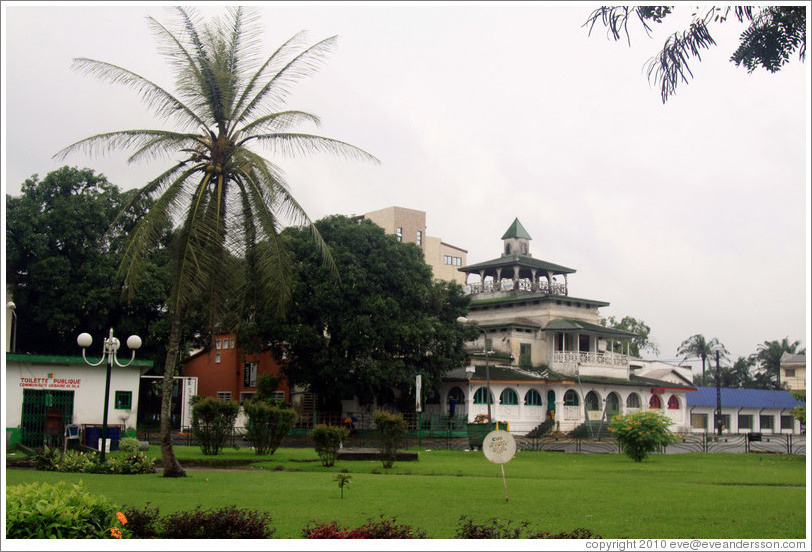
(697, 346)
(225, 199)
(769, 358)
(369, 336)
(643, 341)
(62, 254)
(774, 34)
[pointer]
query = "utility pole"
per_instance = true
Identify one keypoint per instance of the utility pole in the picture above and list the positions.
(718, 398)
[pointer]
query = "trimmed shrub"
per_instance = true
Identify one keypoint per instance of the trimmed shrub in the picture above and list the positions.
(128, 444)
(495, 528)
(229, 522)
(641, 433)
(381, 528)
(213, 423)
(392, 428)
(143, 523)
(327, 440)
(580, 533)
(131, 464)
(267, 425)
(43, 511)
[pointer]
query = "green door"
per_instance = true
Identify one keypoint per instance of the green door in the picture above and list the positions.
(35, 404)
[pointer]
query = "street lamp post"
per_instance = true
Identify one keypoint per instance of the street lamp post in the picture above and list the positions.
(13, 308)
(109, 353)
(463, 320)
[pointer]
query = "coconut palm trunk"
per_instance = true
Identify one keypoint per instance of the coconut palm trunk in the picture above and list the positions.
(172, 467)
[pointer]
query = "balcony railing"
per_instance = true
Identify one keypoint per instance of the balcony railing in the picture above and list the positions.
(524, 285)
(590, 358)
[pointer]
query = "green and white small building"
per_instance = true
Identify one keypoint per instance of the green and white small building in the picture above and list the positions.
(37, 385)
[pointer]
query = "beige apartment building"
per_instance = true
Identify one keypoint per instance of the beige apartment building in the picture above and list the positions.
(409, 226)
(793, 372)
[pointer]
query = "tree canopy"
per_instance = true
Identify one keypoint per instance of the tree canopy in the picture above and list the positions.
(697, 346)
(643, 341)
(769, 358)
(62, 255)
(385, 322)
(773, 36)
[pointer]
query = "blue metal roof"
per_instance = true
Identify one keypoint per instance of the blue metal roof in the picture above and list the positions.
(748, 398)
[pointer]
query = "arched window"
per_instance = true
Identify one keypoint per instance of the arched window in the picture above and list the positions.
(673, 402)
(655, 402)
(480, 396)
(633, 401)
(509, 397)
(532, 398)
(571, 398)
(592, 401)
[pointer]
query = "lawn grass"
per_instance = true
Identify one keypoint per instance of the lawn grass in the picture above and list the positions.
(666, 496)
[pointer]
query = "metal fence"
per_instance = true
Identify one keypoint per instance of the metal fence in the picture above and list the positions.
(454, 436)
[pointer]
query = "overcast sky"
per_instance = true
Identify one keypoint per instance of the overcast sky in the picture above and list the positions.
(692, 216)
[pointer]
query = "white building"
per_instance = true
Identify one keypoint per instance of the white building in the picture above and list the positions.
(72, 392)
(744, 410)
(548, 356)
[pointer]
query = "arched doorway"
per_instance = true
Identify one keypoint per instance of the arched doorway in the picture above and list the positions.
(455, 403)
(612, 406)
(551, 405)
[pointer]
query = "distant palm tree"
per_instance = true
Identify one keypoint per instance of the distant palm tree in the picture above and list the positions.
(226, 201)
(769, 356)
(697, 346)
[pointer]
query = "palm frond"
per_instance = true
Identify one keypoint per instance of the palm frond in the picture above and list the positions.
(147, 233)
(268, 66)
(275, 90)
(162, 103)
(151, 188)
(124, 139)
(279, 121)
(293, 144)
(276, 198)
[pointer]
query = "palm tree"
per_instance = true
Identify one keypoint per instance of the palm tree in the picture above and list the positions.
(225, 200)
(769, 356)
(697, 346)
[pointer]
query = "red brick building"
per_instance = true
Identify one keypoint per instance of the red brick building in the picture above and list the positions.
(225, 372)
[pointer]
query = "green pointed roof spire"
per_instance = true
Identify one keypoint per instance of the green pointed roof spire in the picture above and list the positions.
(516, 230)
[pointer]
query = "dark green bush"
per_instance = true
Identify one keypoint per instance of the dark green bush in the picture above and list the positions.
(392, 428)
(327, 440)
(223, 523)
(267, 425)
(143, 523)
(43, 511)
(381, 528)
(90, 462)
(495, 528)
(213, 423)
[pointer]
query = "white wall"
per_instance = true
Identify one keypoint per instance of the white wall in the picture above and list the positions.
(86, 382)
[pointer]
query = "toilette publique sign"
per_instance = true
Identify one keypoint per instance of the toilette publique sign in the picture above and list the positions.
(499, 447)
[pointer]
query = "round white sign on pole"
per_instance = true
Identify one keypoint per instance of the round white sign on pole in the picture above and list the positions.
(499, 446)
